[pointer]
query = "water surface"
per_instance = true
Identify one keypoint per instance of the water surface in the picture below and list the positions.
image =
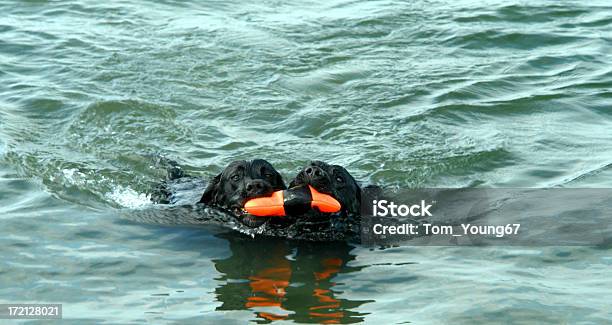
(404, 94)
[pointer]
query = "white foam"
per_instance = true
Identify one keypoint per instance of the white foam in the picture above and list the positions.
(74, 176)
(128, 198)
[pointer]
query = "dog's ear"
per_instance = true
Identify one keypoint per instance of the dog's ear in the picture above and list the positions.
(299, 179)
(292, 183)
(357, 203)
(280, 182)
(210, 193)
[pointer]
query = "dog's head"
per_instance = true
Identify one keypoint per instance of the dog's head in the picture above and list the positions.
(333, 180)
(241, 181)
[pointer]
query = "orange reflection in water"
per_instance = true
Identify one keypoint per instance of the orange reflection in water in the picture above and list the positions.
(268, 289)
(286, 281)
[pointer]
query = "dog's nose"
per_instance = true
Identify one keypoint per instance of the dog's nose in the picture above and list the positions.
(256, 186)
(314, 172)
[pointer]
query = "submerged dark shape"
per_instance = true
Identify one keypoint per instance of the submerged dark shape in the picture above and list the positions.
(200, 215)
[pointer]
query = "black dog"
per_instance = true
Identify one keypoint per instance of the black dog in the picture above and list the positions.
(239, 182)
(333, 180)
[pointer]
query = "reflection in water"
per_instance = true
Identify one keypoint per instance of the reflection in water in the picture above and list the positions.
(285, 280)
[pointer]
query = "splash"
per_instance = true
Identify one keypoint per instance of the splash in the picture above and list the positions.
(128, 198)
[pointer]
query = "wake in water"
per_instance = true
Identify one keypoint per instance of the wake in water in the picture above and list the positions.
(129, 198)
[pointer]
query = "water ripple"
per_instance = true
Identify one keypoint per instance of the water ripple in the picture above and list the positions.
(404, 94)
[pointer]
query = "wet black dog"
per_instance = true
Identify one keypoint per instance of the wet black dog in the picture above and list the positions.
(239, 182)
(334, 180)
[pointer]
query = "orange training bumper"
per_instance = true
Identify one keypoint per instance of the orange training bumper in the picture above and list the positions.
(295, 199)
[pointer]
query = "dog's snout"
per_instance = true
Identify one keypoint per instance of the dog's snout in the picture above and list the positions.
(314, 172)
(256, 187)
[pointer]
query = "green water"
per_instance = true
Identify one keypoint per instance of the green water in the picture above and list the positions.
(403, 94)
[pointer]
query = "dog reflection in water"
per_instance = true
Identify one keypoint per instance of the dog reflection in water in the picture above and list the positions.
(284, 280)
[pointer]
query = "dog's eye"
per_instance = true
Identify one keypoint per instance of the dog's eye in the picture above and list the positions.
(269, 175)
(339, 179)
(235, 177)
